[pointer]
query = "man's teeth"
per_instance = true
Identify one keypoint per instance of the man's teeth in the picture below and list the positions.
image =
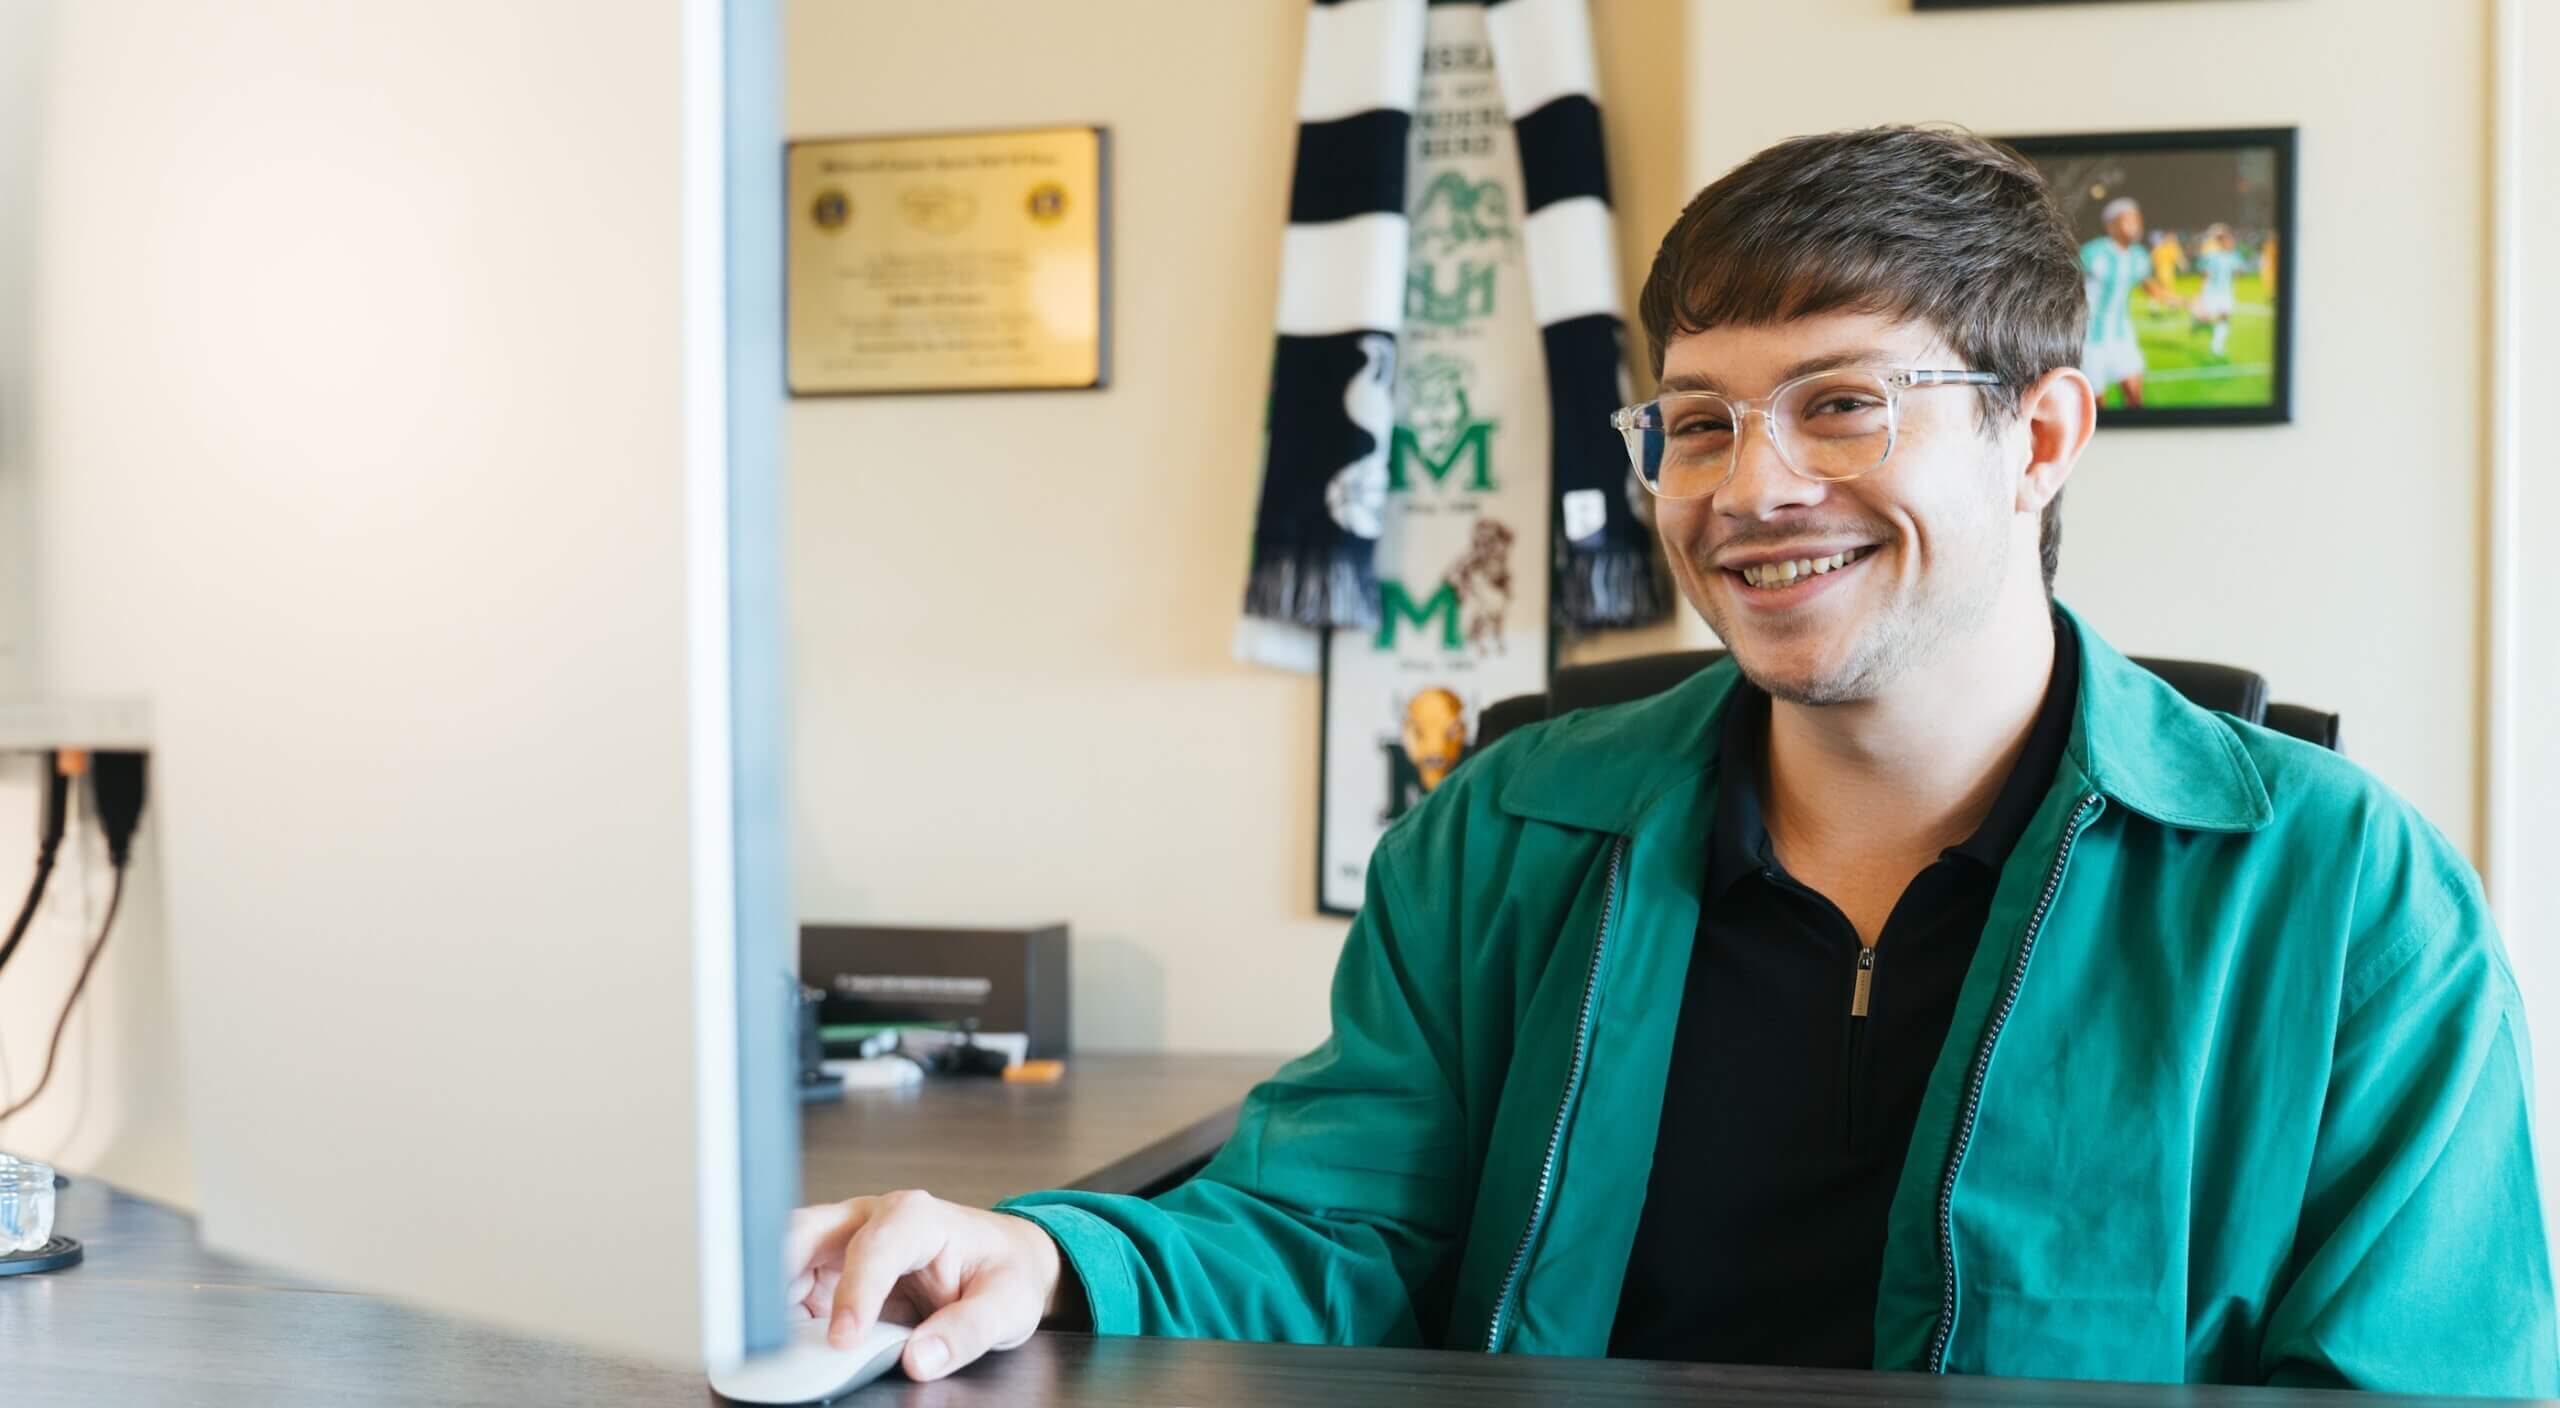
(1779, 574)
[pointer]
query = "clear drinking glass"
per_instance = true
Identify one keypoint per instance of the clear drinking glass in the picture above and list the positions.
(26, 1205)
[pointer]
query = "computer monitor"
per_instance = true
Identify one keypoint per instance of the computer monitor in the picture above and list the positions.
(417, 463)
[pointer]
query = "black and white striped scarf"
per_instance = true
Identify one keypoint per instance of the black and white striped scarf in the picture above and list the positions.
(1342, 287)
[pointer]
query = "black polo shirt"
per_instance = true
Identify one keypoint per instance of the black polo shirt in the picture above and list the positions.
(1787, 1116)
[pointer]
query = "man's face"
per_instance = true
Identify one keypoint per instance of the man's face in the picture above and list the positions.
(1938, 526)
(2127, 226)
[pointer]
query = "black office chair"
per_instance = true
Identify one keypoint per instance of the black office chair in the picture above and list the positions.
(2240, 693)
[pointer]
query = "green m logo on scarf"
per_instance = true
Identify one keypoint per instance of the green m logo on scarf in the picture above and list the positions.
(1396, 605)
(1440, 430)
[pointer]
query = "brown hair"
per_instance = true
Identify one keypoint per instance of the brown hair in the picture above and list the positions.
(1931, 224)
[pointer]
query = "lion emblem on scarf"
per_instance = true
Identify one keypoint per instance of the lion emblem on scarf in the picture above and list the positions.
(1482, 579)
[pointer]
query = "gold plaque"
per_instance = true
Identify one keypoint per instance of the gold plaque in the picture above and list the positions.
(947, 263)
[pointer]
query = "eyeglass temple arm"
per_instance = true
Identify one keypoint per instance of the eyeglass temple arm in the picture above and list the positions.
(1628, 418)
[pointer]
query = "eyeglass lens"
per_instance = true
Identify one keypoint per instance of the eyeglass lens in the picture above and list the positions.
(1836, 425)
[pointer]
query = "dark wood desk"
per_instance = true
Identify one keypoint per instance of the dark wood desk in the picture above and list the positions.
(1116, 1124)
(153, 1318)
(1080, 1371)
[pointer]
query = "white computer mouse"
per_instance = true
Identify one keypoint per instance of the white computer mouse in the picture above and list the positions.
(809, 1370)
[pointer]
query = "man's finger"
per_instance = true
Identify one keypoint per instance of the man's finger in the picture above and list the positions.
(823, 1228)
(898, 1238)
(996, 1313)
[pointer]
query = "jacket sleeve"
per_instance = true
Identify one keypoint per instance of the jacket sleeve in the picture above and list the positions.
(1343, 1192)
(2421, 1263)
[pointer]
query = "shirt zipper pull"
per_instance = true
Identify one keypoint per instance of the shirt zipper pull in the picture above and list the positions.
(1866, 976)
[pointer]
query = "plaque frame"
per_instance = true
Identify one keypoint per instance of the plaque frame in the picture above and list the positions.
(1102, 346)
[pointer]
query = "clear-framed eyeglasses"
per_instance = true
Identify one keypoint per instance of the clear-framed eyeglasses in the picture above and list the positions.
(1826, 426)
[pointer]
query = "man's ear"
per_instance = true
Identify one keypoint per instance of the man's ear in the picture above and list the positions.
(2060, 412)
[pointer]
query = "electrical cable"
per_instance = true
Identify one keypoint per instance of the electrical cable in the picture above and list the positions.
(62, 1022)
(116, 784)
(54, 805)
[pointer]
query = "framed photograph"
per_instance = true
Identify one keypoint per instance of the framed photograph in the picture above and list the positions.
(2185, 242)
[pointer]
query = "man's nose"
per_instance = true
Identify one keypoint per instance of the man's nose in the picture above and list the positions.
(1761, 484)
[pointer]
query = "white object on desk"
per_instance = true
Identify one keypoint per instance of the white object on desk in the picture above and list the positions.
(809, 1370)
(875, 1072)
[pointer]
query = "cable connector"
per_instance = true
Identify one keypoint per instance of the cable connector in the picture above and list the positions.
(116, 780)
(59, 769)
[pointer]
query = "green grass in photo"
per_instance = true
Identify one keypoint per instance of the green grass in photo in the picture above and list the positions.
(2177, 350)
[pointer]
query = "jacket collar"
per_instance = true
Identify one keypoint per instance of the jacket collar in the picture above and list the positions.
(2143, 744)
(2136, 739)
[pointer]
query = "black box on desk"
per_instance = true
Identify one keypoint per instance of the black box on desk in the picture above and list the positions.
(1002, 980)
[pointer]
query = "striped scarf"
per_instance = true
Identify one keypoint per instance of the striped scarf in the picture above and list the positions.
(1342, 293)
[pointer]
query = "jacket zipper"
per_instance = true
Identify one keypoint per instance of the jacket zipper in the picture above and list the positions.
(1973, 1089)
(1854, 1065)
(1572, 1086)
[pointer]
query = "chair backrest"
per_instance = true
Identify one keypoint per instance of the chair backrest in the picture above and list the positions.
(2226, 688)
(2306, 723)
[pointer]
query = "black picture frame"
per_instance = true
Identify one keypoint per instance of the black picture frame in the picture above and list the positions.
(1324, 768)
(2069, 161)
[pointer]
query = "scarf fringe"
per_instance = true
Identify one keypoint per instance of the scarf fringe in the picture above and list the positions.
(1320, 590)
(1610, 588)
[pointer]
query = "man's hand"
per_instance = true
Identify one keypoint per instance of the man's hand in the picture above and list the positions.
(969, 1281)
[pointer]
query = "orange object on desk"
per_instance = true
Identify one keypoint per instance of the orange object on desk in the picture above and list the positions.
(1035, 1072)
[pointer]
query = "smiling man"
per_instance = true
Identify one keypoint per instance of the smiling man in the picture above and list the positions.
(1924, 987)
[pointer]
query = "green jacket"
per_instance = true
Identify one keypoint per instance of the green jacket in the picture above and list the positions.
(2235, 1091)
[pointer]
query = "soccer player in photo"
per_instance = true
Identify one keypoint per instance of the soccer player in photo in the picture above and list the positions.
(2168, 258)
(2112, 266)
(2220, 262)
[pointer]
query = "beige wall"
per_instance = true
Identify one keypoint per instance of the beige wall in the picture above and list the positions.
(2534, 631)
(25, 37)
(114, 1107)
(2529, 774)
(2340, 555)
(1013, 612)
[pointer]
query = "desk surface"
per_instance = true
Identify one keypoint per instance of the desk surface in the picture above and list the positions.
(153, 1318)
(1111, 1125)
